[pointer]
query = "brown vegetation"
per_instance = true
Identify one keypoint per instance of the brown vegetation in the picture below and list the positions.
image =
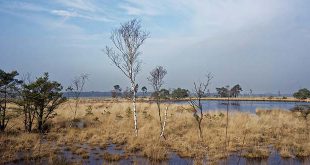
(110, 122)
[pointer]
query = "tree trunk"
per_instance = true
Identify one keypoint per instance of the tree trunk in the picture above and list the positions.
(76, 107)
(40, 121)
(200, 130)
(30, 120)
(25, 119)
(159, 113)
(164, 125)
(134, 108)
(201, 117)
(2, 115)
(226, 132)
(1, 121)
(40, 125)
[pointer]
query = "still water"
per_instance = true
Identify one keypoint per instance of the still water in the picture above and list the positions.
(247, 106)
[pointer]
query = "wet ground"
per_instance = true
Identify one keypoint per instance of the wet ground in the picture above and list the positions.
(97, 155)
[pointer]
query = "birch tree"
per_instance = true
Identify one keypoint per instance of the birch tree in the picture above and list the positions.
(127, 40)
(199, 92)
(156, 80)
(76, 88)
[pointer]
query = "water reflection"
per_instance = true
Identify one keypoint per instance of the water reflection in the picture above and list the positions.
(274, 158)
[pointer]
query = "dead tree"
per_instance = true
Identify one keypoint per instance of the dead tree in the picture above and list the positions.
(156, 80)
(199, 92)
(127, 39)
(76, 88)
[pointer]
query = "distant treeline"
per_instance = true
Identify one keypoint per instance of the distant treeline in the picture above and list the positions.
(100, 94)
(92, 94)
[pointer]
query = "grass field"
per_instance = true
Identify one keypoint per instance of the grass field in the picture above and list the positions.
(101, 122)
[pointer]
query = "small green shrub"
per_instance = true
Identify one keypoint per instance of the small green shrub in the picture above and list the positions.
(89, 110)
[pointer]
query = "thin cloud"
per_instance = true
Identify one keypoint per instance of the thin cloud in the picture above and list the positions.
(148, 7)
(85, 5)
(138, 11)
(64, 13)
(72, 14)
(23, 6)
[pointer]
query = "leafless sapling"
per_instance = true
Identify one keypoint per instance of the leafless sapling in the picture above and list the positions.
(199, 92)
(127, 39)
(76, 88)
(156, 80)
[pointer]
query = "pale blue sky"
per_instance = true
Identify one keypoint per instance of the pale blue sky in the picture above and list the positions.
(263, 45)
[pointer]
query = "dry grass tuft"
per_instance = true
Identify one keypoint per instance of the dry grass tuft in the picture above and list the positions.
(111, 157)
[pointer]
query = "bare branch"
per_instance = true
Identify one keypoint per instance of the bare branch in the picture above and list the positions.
(127, 40)
(199, 92)
(156, 77)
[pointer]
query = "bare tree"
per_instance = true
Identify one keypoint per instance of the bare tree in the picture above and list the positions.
(127, 39)
(76, 88)
(199, 92)
(156, 80)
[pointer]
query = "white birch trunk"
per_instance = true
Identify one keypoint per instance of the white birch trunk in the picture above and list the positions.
(165, 119)
(134, 108)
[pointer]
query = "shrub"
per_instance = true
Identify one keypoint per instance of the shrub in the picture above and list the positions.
(302, 94)
(179, 93)
(89, 110)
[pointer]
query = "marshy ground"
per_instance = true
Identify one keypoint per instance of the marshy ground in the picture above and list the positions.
(103, 132)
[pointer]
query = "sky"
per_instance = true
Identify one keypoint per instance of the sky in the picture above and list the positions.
(262, 45)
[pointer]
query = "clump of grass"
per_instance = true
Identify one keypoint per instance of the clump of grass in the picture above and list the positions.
(146, 115)
(111, 157)
(256, 152)
(89, 110)
(302, 151)
(128, 112)
(286, 153)
(85, 155)
(58, 160)
(80, 151)
(155, 151)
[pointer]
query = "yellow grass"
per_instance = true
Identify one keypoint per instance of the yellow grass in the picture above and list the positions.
(112, 122)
